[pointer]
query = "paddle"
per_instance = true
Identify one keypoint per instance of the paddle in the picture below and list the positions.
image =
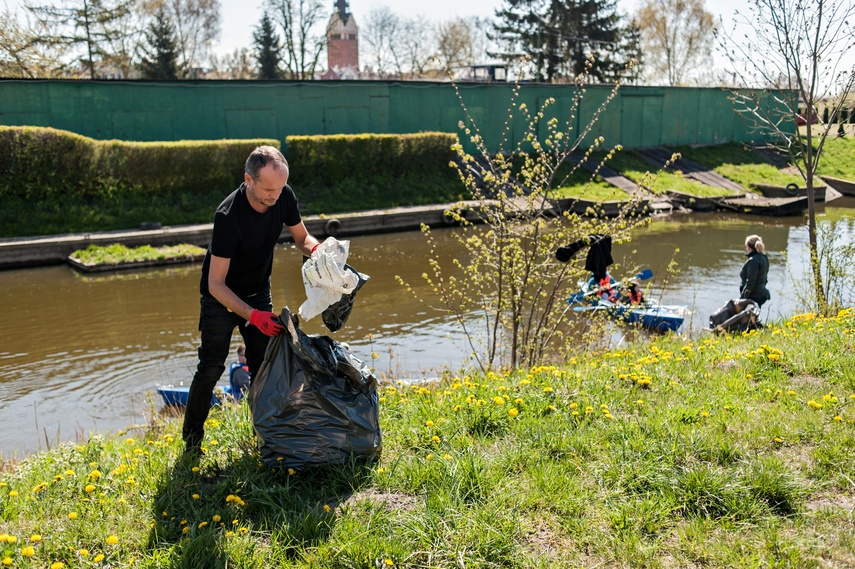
(644, 275)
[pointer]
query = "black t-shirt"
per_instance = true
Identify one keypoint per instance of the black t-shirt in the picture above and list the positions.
(248, 238)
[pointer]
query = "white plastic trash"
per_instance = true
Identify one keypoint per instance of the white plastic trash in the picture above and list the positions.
(325, 277)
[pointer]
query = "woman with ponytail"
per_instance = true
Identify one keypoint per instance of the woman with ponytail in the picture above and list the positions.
(755, 271)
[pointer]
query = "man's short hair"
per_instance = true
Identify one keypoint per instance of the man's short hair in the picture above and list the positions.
(261, 157)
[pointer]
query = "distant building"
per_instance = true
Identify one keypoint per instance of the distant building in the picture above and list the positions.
(342, 44)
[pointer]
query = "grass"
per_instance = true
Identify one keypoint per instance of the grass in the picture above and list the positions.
(116, 253)
(731, 451)
(740, 164)
(631, 165)
(838, 158)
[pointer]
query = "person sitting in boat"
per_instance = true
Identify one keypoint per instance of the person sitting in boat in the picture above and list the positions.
(239, 378)
(606, 288)
(634, 294)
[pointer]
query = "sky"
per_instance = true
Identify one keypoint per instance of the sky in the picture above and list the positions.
(239, 20)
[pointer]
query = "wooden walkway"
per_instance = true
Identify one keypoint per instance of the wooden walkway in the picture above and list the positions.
(659, 155)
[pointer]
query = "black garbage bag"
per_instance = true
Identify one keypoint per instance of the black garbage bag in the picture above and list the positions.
(738, 315)
(336, 314)
(313, 402)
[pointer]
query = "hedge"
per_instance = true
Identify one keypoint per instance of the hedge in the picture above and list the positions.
(55, 181)
(334, 173)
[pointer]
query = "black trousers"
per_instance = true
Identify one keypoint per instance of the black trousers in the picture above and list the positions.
(217, 324)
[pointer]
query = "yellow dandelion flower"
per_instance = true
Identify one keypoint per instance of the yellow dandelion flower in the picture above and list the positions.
(57, 565)
(429, 423)
(446, 456)
(573, 405)
(216, 518)
(838, 418)
(498, 400)
(7, 560)
(13, 493)
(435, 439)
(83, 552)
(72, 515)
(551, 408)
(291, 472)
(195, 496)
(547, 389)
(39, 488)
(243, 530)
(779, 440)
(186, 530)
(381, 470)
(513, 412)
(11, 539)
(35, 538)
(589, 410)
(194, 469)
(89, 488)
(382, 400)
(389, 562)
(28, 551)
(95, 474)
(327, 508)
(98, 558)
(112, 540)
(429, 457)
(203, 524)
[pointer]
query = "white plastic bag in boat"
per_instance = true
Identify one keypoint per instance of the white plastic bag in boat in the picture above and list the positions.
(326, 278)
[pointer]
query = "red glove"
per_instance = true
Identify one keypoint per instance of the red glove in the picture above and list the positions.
(267, 322)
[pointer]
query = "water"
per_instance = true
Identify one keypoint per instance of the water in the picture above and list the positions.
(83, 354)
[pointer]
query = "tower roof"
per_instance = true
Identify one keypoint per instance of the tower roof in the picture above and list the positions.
(343, 12)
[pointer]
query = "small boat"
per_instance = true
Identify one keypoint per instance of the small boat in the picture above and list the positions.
(790, 191)
(845, 187)
(176, 395)
(777, 207)
(649, 314)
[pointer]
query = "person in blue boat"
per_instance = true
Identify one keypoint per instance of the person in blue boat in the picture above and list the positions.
(239, 378)
(235, 283)
(755, 271)
(634, 294)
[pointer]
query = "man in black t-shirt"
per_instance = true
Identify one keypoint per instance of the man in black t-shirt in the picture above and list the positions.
(235, 283)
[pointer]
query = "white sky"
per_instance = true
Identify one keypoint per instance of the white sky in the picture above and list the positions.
(241, 16)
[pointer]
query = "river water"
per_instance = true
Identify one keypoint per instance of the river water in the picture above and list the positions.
(84, 354)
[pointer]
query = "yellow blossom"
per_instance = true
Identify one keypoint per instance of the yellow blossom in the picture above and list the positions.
(186, 530)
(7, 560)
(429, 457)
(112, 540)
(195, 496)
(39, 488)
(72, 515)
(216, 517)
(243, 530)
(89, 488)
(203, 524)
(13, 494)
(435, 439)
(98, 558)
(194, 469)
(513, 412)
(291, 472)
(57, 565)
(429, 423)
(327, 508)
(83, 552)
(28, 551)
(35, 538)
(95, 474)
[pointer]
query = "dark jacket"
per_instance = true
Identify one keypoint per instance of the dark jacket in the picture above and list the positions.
(753, 275)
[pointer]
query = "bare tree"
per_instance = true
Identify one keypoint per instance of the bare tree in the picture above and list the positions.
(303, 42)
(89, 25)
(21, 54)
(677, 38)
(454, 43)
(380, 29)
(239, 64)
(414, 46)
(803, 44)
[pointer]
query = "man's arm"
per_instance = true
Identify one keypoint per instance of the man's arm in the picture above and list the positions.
(217, 287)
(302, 239)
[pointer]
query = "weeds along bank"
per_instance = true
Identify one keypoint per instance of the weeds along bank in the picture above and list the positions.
(725, 451)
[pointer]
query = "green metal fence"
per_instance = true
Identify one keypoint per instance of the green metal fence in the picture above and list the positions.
(137, 110)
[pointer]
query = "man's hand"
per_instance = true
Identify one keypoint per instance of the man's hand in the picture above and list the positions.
(267, 322)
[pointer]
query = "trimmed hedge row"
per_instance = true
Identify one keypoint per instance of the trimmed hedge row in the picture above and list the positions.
(45, 164)
(54, 181)
(335, 173)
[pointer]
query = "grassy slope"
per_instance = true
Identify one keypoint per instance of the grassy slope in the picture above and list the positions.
(720, 452)
(740, 164)
(637, 169)
(838, 158)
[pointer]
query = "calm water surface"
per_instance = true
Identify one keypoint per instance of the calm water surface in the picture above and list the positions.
(83, 354)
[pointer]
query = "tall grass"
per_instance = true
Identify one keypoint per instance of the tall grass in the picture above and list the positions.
(726, 451)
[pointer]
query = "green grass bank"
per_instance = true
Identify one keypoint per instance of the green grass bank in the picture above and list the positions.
(726, 451)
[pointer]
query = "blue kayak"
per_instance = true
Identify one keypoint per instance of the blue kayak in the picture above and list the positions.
(176, 395)
(648, 314)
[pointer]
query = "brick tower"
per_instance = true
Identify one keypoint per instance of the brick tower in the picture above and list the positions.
(342, 40)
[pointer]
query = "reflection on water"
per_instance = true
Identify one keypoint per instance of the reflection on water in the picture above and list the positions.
(82, 354)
